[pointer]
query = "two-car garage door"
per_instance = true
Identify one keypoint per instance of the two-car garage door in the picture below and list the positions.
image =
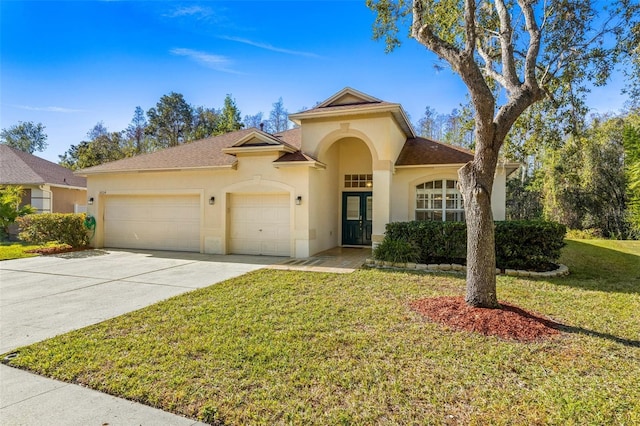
(158, 222)
(258, 224)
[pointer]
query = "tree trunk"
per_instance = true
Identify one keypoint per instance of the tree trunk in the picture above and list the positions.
(476, 187)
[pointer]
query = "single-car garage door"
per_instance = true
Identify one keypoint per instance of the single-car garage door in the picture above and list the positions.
(158, 222)
(259, 224)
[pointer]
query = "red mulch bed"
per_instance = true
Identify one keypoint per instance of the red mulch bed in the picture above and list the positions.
(56, 249)
(507, 322)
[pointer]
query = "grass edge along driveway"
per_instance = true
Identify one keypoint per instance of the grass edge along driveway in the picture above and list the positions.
(281, 347)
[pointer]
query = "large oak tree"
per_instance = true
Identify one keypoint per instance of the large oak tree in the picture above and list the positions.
(510, 54)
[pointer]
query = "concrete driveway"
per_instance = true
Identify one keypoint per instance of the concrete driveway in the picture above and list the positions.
(42, 297)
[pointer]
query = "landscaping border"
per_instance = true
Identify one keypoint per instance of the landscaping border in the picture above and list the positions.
(562, 270)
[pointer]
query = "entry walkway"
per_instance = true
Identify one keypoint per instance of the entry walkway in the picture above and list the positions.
(337, 260)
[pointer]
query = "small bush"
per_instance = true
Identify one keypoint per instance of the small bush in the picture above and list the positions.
(63, 228)
(584, 234)
(397, 251)
(519, 244)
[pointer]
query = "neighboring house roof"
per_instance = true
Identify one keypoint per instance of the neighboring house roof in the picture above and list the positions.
(423, 151)
(21, 168)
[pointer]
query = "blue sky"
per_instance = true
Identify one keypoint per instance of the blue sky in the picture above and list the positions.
(71, 64)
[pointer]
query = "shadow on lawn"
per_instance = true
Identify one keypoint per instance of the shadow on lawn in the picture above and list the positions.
(592, 333)
(597, 268)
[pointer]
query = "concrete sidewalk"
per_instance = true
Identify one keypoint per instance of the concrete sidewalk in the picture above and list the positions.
(42, 297)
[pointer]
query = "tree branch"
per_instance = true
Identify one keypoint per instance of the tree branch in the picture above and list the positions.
(488, 68)
(506, 45)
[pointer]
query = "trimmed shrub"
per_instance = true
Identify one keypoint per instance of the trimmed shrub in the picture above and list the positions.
(519, 244)
(65, 228)
(397, 251)
(522, 244)
(439, 242)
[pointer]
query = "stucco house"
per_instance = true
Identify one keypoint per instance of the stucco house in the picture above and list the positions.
(352, 164)
(49, 187)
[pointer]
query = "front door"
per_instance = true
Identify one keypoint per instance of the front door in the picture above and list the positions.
(357, 216)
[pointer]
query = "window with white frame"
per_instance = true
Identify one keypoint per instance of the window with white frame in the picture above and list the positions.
(439, 200)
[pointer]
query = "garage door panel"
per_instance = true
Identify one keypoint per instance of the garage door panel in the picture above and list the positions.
(260, 224)
(153, 222)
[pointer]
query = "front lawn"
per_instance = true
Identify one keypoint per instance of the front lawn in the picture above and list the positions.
(11, 250)
(283, 347)
(18, 250)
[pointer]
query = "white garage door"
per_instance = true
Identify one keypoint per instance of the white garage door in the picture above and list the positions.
(153, 222)
(259, 224)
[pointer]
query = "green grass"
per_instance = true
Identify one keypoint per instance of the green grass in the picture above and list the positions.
(10, 250)
(282, 347)
(18, 250)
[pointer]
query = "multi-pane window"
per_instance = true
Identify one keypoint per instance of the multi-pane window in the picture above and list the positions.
(358, 181)
(439, 200)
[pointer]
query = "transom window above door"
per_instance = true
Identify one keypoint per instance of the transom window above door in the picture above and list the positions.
(358, 181)
(439, 200)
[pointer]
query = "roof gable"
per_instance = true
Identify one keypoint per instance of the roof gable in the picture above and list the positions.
(257, 138)
(348, 96)
(21, 168)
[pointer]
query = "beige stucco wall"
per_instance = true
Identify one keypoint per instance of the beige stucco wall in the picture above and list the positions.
(65, 199)
(406, 179)
(254, 174)
(54, 199)
(383, 138)
(356, 144)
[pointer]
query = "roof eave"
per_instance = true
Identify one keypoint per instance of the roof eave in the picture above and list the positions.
(313, 164)
(259, 149)
(415, 166)
(154, 170)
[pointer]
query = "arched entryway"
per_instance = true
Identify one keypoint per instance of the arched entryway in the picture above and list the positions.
(353, 190)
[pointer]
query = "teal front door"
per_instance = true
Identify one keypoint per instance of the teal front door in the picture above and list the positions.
(357, 218)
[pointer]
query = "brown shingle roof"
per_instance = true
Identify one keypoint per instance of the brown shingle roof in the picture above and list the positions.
(292, 137)
(294, 156)
(422, 151)
(202, 153)
(21, 168)
(198, 154)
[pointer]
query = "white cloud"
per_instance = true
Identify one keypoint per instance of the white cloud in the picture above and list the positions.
(48, 109)
(270, 47)
(217, 62)
(197, 11)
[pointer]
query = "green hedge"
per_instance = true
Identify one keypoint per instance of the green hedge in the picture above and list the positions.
(519, 244)
(63, 228)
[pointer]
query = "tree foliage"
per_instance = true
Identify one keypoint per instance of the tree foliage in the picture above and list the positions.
(171, 120)
(101, 147)
(455, 128)
(255, 120)
(136, 131)
(25, 136)
(278, 118)
(631, 144)
(205, 122)
(11, 208)
(229, 119)
(584, 183)
(510, 55)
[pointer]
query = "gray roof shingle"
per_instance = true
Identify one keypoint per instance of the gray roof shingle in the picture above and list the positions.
(21, 168)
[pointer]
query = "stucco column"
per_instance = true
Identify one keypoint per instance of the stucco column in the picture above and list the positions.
(382, 175)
